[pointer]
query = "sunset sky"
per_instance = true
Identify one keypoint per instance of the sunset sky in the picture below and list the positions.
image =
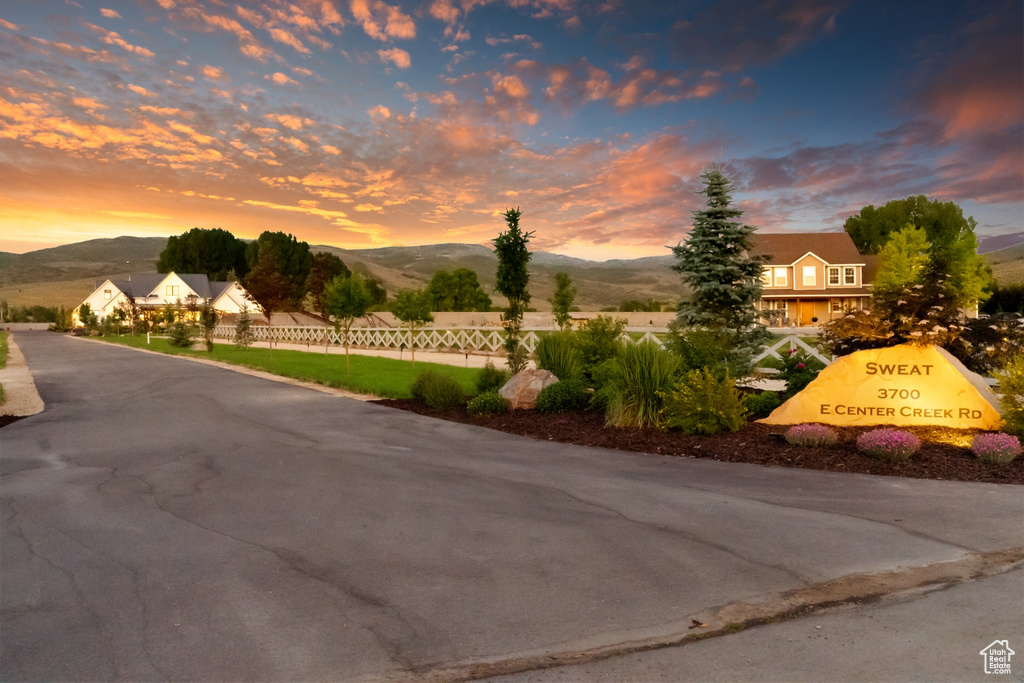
(366, 123)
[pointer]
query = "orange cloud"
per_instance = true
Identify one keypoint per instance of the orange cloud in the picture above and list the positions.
(381, 20)
(396, 56)
(281, 79)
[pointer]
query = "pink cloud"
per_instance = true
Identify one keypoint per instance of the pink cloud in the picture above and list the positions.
(109, 13)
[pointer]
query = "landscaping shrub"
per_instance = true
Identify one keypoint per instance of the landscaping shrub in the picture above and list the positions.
(437, 391)
(1011, 391)
(598, 341)
(701, 349)
(491, 378)
(891, 445)
(643, 373)
(702, 403)
(798, 369)
(558, 354)
(811, 435)
(762, 404)
(487, 403)
(602, 373)
(182, 335)
(996, 449)
(564, 396)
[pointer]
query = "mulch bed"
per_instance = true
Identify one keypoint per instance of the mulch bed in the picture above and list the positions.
(756, 443)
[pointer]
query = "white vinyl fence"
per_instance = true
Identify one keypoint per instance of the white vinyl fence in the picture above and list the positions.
(476, 340)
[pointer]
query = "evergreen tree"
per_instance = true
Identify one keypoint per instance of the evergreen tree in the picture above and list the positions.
(561, 302)
(243, 329)
(513, 278)
(725, 280)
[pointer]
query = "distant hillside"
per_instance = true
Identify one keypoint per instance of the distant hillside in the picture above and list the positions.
(81, 260)
(1008, 265)
(64, 275)
(598, 284)
(998, 242)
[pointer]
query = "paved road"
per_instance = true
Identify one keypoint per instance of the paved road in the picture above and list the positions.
(169, 520)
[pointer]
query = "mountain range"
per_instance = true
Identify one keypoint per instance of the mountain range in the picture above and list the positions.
(65, 275)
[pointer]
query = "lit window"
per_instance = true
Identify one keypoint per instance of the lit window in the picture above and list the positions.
(172, 290)
(850, 276)
(775, 304)
(810, 276)
(837, 306)
(766, 277)
(106, 294)
(780, 277)
(833, 275)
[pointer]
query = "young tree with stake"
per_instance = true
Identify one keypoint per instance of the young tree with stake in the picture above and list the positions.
(347, 299)
(413, 308)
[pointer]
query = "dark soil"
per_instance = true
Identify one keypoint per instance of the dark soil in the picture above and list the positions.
(756, 443)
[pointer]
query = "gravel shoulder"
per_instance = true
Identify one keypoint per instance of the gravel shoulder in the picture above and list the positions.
(20, 396)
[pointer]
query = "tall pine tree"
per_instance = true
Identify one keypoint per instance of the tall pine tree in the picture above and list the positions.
(725, 279)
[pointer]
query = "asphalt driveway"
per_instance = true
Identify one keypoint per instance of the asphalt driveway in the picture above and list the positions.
(163, 519)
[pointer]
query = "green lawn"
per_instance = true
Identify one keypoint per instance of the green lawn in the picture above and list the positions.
(384, 377)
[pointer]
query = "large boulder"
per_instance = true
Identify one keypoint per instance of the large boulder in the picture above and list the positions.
(521, 391)
(900, 385)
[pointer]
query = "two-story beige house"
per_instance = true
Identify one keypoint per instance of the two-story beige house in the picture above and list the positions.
(812, 277)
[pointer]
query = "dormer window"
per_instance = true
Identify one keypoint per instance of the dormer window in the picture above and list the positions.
(172, 290)
(810, 276)
(106, 294)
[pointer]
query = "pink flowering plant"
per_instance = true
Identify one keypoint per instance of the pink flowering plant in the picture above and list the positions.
(996, 449)
(811, 435)
(891, 445)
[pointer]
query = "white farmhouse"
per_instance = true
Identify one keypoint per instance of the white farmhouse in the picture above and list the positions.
(154, 291)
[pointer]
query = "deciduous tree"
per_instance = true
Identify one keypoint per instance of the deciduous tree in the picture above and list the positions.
(347, 299)
(457, 291)
(325, 268)
(413, 309)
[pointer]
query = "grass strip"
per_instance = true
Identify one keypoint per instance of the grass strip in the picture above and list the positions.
(3, 349)
(383, 377)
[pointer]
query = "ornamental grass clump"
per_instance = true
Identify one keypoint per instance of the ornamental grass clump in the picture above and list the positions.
(890, 445)
(996, 449)
(643, 372)
(812, 436)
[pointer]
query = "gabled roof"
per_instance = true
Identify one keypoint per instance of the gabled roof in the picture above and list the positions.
(140, 285)
(788, 248)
